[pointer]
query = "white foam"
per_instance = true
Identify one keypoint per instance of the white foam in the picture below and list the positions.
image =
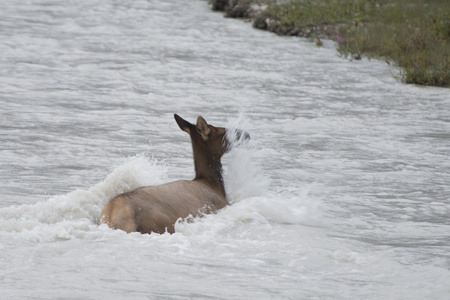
(75, 214)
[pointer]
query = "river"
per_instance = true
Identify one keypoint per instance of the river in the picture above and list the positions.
(342, 192)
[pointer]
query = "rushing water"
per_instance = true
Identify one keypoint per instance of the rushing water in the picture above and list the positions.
(342, 193)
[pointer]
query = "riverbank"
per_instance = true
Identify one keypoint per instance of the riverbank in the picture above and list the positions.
(413, 34)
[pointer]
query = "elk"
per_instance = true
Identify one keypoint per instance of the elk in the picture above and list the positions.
(157, 208)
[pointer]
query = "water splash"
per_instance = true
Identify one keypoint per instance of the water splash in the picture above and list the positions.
(75, 214)
(244, 177)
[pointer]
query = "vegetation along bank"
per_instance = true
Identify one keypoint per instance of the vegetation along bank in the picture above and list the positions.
(413, 34)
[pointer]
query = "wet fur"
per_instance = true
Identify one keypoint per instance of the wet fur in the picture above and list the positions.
(157, 208)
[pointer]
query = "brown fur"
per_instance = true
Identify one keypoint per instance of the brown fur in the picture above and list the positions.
(157, 208)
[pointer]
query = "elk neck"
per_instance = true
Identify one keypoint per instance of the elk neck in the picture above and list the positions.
(209, 167)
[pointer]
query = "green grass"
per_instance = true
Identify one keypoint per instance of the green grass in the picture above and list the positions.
(310, 13)
(414, 34)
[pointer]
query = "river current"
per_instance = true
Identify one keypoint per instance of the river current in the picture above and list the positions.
(343, 191)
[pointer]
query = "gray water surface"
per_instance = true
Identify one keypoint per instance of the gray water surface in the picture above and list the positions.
(343, 192)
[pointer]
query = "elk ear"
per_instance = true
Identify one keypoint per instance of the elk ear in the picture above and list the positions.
(203, 128)
(184, 125)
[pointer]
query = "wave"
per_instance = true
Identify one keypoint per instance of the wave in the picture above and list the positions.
(75, 214)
